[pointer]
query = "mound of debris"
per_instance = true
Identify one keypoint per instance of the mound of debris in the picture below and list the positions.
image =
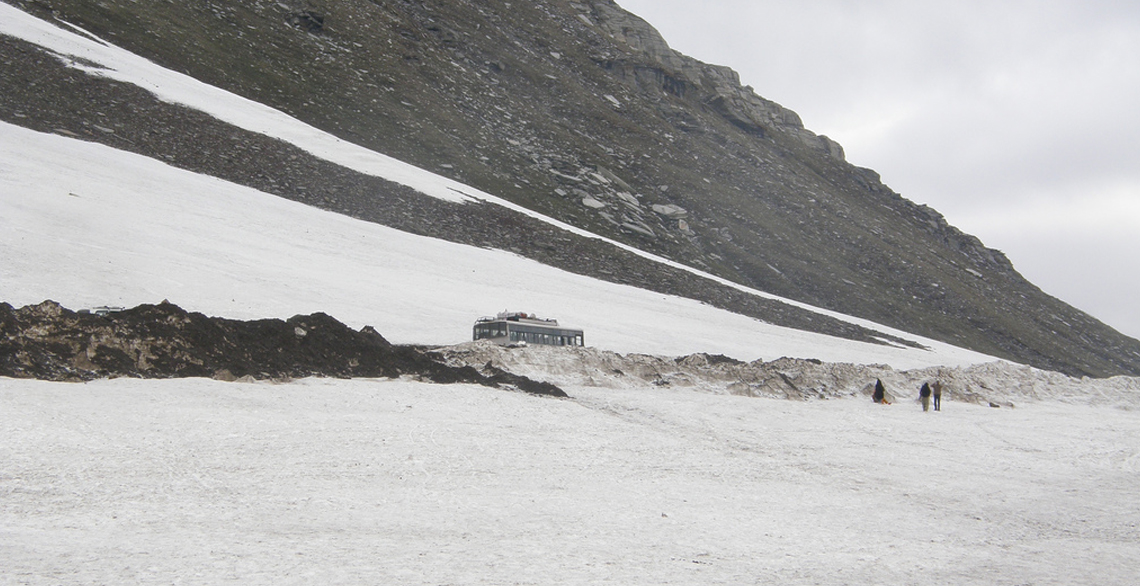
(997, 384)
(50, 342)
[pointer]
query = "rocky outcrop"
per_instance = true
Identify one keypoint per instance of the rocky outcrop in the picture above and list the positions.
(715, 86)
(307, 20)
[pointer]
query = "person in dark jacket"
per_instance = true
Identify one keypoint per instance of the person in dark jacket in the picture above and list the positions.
(924, 395)
(880, 393)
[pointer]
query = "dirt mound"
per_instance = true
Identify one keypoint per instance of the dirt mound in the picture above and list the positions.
(785, 378)
(50, 342)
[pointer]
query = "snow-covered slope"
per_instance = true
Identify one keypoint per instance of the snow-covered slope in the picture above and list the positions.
(132, 231)
(89, 225)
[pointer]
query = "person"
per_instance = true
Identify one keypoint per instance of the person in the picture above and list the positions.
(879, 395)
(936, 392)
(924, 395)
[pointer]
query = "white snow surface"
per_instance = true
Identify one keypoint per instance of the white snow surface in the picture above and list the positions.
(318, 481)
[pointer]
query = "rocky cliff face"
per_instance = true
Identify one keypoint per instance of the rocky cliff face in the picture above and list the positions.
(718, 87)
(581, 111)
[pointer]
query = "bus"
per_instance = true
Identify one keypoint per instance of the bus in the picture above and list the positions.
(510, 328)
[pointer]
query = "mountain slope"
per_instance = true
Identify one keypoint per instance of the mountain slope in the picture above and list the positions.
(582, 112)
(277, 154)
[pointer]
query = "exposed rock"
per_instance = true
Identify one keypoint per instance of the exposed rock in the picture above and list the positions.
(308, 20)
(718, 86)
(672, 211)
(629, 199)
(590, 202)
(638, 227)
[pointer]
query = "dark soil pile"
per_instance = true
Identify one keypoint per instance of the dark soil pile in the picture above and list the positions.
(50, 342)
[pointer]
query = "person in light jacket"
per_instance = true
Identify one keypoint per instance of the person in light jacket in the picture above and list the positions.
(936, 392)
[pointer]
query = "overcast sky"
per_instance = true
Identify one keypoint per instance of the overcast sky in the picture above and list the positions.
(1018, 120)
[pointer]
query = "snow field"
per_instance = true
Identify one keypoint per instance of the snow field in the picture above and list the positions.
(349, 482)
(88, 225)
